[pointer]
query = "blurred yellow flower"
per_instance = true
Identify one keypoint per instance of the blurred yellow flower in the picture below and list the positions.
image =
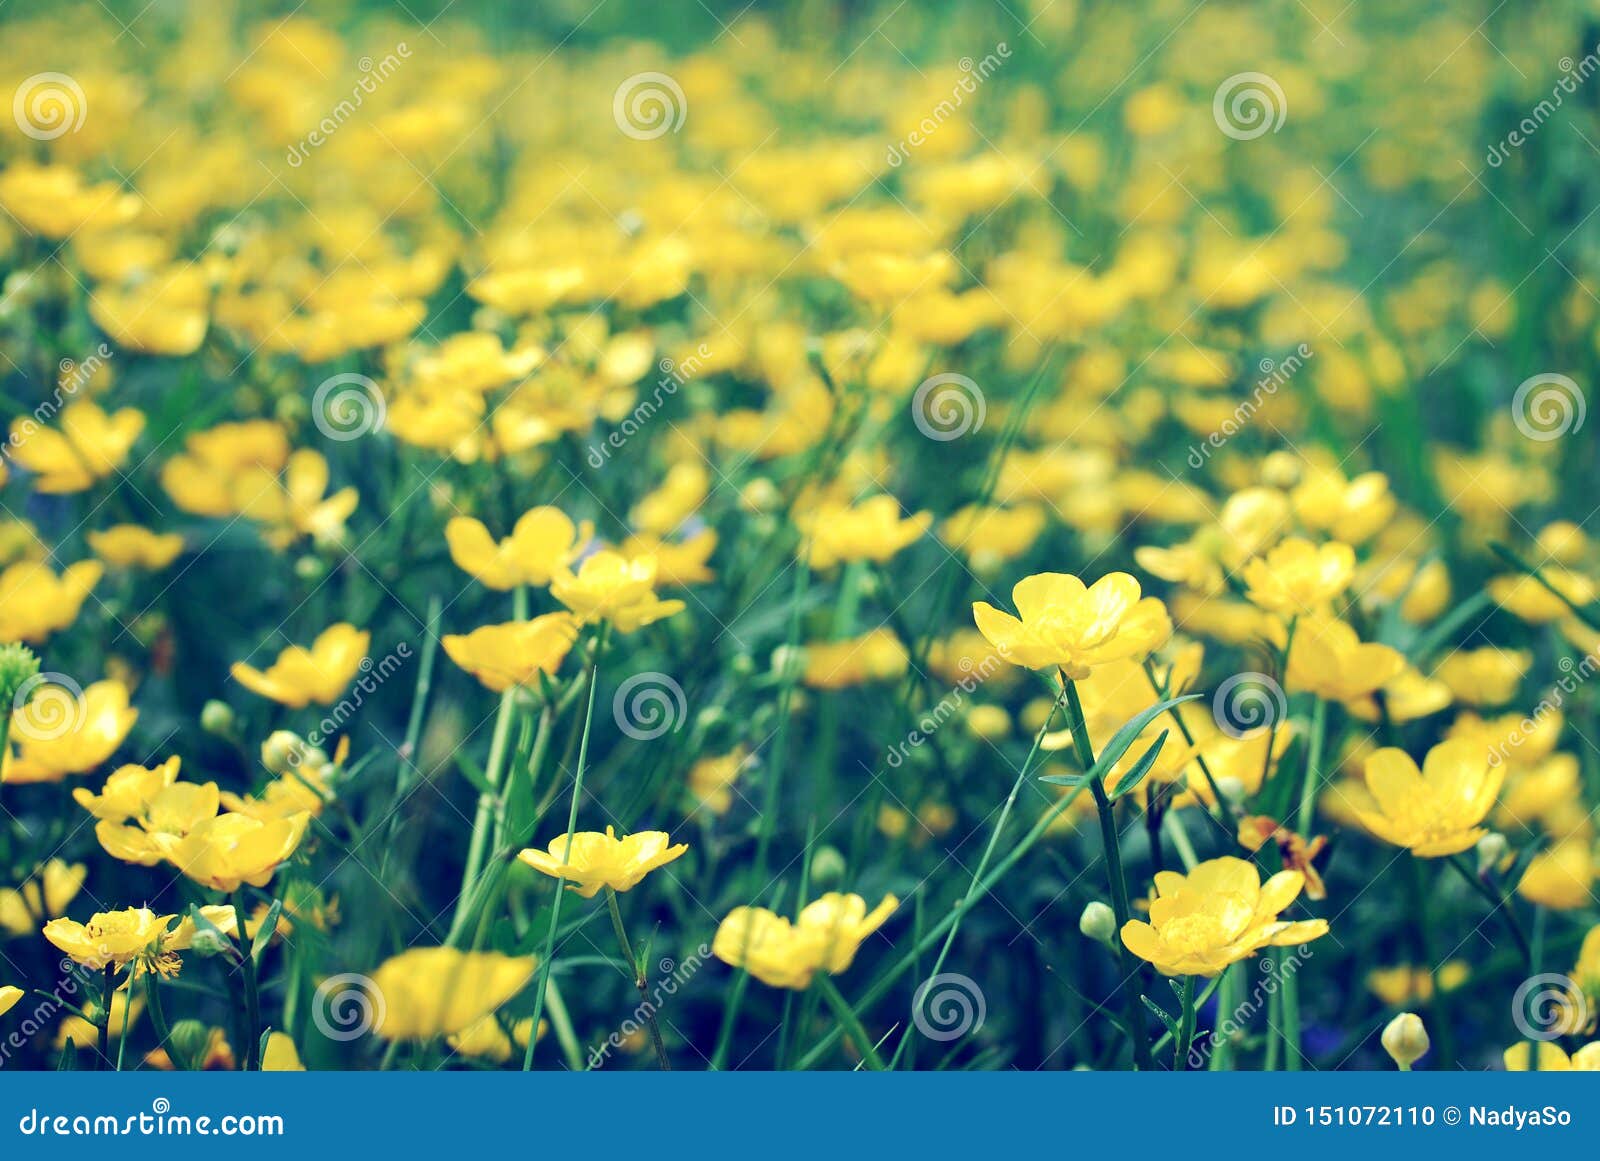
(871, 530)
(781, 954)
(57, 734)
(131, 546)
(89, 446)
(427, 992)
(230, 850)
(43, 896)
(1297, 577)
(35, 603)
(516, 653)
(543, 541)
(320, 674)
(614, 588)
(1328, 659)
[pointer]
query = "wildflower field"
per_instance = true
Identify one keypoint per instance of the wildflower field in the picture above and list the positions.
(1043, 534)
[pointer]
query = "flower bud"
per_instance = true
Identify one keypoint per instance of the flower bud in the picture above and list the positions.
(1405, 1040)
(216, 717)
(787, 660)
(1492, 849)
(827, 866)
(18, 666)
(1099, 923)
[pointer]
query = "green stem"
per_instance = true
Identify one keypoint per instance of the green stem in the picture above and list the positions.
(566, 853)
(1119, 885)
(252, 993)
(647, 1005)
(1500, 903)
(848, 1019)
(108, 992)
(1180, 1048)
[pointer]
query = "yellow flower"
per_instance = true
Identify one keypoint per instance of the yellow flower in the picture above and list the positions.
(112, 938)
(1434, 811)
(53, 201)
(874, 656)
(1404, 984)
(544, 541)
(1328, 659)
(232, 849)
(205, 479)
(130, 546)
(604, 860)
(125, 1009)
(1552, 1058)
(280, 1054)
(89, 447)
(428, 992)
(43, 897)
(35, 603)
(991, 536)
(1405, 1040)
(614, 588)
(1484, 676)
(1562, 877)
(56, 738)
(871, 530)
(782, 954)
(485, 1039)
(1525, 597)
(9, 995)
(711, 780)
(1297, 577)
(1219, 913)
(298, 504)
(171, 812)
(501, 656)
(679, 563)
(320, 674)
(164, 313)
(128, 790)
(1064, 624)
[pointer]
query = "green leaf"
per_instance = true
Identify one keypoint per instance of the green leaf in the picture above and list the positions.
(69, 1057)
(474, 774)
(1140, 768)
(1169, 1022)
(264, 933)
(1119, 743)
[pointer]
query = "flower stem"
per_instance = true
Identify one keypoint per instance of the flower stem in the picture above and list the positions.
(566, 852)
(1180, 1048)
(108, 992)
(647, 1005)
(1119, 886)
(252, 994)
(848, 1020)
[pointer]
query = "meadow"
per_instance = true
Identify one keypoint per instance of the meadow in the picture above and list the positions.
(813, 535)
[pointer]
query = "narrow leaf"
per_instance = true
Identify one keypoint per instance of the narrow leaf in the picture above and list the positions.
(1140, 768)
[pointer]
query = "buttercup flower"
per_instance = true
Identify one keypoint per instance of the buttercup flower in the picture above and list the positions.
(429, 992)
(42, 897)
(134, 936)
(89, 446)
(870, 530)
(1328, 659)
(9, 995)
(515, 653)
(604, 860)
(544, 541)
(1062, 624)
(611, 587)
(34, 602)
(230, 850)
(56, 737)
(320, 674)
(130, 546)
(1219, 913)
(782, 954)
(1434, 811)
(1297, 577)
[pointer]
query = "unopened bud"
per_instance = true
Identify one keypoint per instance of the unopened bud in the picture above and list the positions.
(1099, 923)
(827, 866)
(1405, 1040)
(216, 717)
(1492, 849)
